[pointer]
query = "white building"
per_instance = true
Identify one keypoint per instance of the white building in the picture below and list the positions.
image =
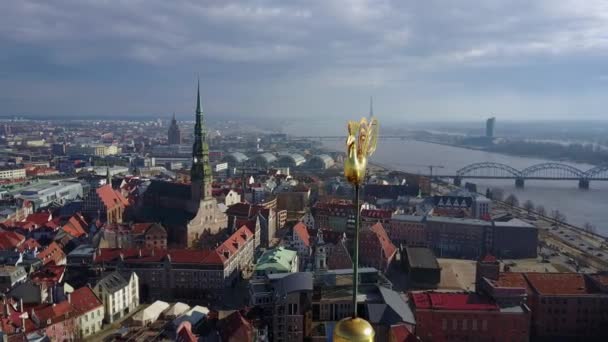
(90, 312)
(12, 173)
(119, 294)
(482, 207)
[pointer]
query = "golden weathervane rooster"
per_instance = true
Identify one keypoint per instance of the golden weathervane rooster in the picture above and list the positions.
(360, 144)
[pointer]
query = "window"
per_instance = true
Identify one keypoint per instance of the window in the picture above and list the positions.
(444, 324)
(484, 325)
(474, 325)
(464, 324)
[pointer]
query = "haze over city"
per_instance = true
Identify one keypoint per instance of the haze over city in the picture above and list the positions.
(430, 60)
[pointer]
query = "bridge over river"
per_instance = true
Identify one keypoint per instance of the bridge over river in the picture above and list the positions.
(543, 171)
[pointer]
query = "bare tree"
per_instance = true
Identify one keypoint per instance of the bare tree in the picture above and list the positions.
(529, 206)
(588, 227)
(558, 216)
(497, 194)
(512, 200)
(541, 210)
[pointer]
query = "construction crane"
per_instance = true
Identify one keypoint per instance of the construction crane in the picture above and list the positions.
(430, 167)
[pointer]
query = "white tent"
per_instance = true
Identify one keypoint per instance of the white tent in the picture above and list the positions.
(176, 310)
(150, 314)
(194, 316)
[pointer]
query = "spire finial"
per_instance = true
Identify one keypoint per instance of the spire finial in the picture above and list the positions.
(198, 96)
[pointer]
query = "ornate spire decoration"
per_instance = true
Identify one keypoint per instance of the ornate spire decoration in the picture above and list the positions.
(360, 144)
(201, 169)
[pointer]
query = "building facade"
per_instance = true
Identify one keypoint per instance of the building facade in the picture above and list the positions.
(453, 316)
(119, 294)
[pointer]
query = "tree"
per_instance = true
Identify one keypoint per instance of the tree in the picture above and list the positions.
(497, 194)
(541, 210)
(512, 200)
(558, 216)
(529, 206)
(588, 227)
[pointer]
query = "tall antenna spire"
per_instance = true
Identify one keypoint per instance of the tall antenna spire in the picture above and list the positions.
(371, 106)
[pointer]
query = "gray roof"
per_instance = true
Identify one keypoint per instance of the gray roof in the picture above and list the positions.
(324, 159)
(113, 282)
(398, 304)
(237, 157)
(457, 220)
(266, 157)
(295, 158)
(513, 223)
(294, 282)
(409, 218)
(420, 257)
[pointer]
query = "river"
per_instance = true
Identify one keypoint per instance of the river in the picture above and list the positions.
(579, 206)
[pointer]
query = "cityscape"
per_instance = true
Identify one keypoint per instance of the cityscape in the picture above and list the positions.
(205, 224)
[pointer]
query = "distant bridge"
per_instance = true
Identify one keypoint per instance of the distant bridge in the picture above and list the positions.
(543, 171)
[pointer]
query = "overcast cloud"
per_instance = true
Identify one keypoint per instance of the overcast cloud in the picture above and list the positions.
(420, 60)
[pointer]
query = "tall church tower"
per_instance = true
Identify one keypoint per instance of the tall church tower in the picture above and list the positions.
(200, 173)
(174, 134)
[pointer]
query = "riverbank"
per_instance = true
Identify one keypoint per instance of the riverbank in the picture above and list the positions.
(507, 153)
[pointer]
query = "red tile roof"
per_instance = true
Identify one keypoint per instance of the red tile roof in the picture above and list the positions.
(29, 244)
(400, 333)
(302, 232)
(235, 241)
(512, 279)
(558, 283)
(241, 210)
(387, 245)
(84, 300)
(10, 240)
(376, 213)
(236, 328)
(75, 227)
(53, 313)
(49, 275)
(140, 228)
(183, 256)
(452, 301)
(184, 333)
(40, 219)
(111, 198)
(52, 253)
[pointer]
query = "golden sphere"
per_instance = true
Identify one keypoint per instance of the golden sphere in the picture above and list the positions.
(353, 329)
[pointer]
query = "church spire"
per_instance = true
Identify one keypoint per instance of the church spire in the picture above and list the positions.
(371, 107)
(200, 173)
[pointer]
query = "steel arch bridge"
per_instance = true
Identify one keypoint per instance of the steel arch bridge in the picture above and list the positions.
(598, 172)
(552, 170)
(542, 171)
(488, 170)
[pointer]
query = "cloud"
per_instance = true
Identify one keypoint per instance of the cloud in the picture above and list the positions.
(335, 45)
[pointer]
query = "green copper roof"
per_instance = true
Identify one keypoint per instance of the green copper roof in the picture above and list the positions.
(279, 259)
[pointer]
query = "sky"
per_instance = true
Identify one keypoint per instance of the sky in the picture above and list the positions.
(306, 59)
